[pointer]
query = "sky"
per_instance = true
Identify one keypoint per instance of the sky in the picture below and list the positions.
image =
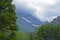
(44, 10)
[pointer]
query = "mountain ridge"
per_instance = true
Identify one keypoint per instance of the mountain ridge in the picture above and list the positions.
(26, 21)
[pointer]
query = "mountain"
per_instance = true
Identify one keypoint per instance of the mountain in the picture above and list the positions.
(56, 20)
(26, 21)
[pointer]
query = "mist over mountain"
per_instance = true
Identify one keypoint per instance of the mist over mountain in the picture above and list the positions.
(26, 21)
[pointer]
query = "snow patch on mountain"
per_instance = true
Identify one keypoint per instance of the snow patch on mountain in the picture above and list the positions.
(26, 20)
(35, 25)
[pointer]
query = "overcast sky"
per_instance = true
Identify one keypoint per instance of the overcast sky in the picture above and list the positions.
(43, 9)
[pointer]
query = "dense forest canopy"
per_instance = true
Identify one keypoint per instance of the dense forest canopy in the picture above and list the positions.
(7, 20)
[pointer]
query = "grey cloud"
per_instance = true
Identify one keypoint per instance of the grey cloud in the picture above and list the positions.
(49, 10)
(53, 10)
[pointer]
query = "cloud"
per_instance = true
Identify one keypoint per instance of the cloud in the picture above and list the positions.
(43, 9)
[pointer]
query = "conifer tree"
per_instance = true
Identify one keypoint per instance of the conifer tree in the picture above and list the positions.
(7, 20)
(49, 32)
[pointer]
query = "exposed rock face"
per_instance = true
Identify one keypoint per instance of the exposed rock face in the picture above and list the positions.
(56, 20)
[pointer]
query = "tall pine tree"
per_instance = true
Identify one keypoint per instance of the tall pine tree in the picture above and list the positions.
(7, 20)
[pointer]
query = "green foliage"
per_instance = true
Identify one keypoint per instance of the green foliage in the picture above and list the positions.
(4, 36)
(33, 36)
(7, 20)
(49, 32)
(22, 36)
